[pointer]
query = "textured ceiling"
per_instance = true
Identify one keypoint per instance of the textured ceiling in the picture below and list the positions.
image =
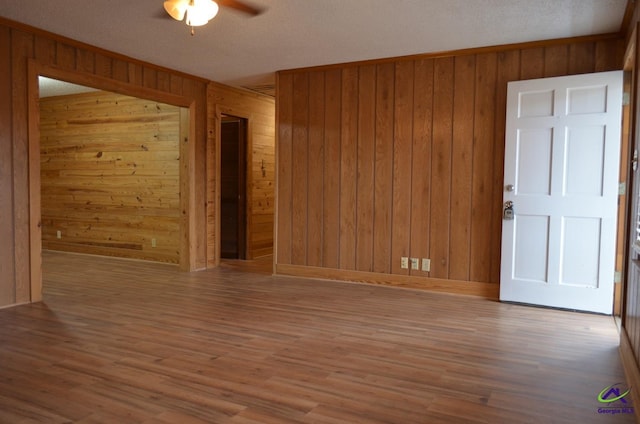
(243, 51)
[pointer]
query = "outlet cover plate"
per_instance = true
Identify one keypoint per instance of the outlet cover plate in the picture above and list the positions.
(426, 264)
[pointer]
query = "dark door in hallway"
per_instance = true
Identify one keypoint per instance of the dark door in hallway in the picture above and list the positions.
(233, 188)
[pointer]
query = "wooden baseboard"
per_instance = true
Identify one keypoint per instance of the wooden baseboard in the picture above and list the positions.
(472, 288)
(631, 370)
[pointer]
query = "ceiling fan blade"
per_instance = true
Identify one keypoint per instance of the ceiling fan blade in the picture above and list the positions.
(240, 6)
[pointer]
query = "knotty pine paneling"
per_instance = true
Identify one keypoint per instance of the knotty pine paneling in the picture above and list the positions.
(412, 158)
(259, 110)
(110, 176)
(26, 51)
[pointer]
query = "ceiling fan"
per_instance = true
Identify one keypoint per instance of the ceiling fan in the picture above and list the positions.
(199, 12)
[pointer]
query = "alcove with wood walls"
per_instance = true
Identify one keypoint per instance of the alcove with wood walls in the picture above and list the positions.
(25, 54)
(258, 111)
(110, 175)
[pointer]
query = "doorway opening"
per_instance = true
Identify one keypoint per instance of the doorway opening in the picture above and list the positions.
(233, 187)
(110, 173)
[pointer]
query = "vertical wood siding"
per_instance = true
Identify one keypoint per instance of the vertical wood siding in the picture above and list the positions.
(110, 167)
(18, 46)
(411, 152)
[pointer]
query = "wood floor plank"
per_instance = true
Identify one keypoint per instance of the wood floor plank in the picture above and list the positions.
(136, 342)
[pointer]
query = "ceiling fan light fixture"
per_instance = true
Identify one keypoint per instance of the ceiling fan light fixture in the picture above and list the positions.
(176, 8)
(199, 12)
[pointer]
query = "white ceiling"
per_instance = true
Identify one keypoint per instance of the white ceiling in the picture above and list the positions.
(50, 87)
(246, 51)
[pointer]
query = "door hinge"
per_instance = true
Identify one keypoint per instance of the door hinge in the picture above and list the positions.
(617, 277)
(625, 99)
(622, 188)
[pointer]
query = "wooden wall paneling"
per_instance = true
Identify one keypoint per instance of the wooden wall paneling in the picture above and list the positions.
(120, 71)
(71, 61)
(135, 75)
(421, 161)
(484, 194)
(101, 146)
(187, 201)
(103, 65)
(22, 47)
(365, 164)
(508, 70)
(259, 111)
(556, 60)
(65, 56)
(383, 184)
(150, 78)
(532, 63)
(402, 154)
(197, 91)
(300, 167)
(316, 168)
(213, 184)
(462, 180)
(7, 258)
(35, 214)
(45, 50)
(284, 113)
(462, 167)
(176, 85)
(331, 172)
(348, 167)
(443, 96)
(163, 81)
(609, 54)
(582, 58)
(85, 61)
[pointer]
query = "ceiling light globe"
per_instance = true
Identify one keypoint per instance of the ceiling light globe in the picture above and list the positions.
(199, 12)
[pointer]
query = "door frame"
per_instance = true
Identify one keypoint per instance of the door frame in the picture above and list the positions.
(630, 67)
(187, 159)
(248, 117)
(242, 239)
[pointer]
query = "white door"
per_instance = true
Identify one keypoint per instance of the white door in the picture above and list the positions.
(562, 154)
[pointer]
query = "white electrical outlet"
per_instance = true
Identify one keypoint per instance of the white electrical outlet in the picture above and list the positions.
(153, 242)
(404, 262)
(59, 234)
(415, 263)
(426, 264)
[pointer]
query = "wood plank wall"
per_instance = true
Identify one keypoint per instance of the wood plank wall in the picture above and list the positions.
(259, 110)
(404, 157)
(110, 167)
(76, 62)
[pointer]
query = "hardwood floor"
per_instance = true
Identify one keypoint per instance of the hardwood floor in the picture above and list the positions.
(119, 341)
